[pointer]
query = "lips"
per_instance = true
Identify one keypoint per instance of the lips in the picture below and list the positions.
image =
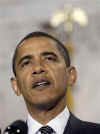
(41, 82)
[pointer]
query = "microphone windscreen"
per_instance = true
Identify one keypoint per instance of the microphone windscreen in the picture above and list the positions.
(17, 127)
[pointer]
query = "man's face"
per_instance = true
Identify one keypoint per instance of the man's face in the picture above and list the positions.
(41, 72)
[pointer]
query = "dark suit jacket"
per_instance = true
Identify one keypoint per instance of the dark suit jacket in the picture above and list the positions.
(77, 126)
(73, 126)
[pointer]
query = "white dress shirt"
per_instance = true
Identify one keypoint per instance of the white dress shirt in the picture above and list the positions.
(58, 123)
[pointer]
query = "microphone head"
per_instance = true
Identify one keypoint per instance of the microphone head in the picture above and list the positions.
(17, 127)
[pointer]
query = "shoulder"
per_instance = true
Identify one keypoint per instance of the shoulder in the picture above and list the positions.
(83, 127)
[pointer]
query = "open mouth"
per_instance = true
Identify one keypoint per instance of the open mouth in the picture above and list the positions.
(41, 83)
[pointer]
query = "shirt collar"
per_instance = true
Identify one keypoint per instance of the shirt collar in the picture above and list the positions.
(58, 123)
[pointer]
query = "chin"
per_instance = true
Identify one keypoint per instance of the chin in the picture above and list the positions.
(49, 104)
(46, 106)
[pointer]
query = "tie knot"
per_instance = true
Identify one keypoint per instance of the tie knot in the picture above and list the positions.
(46, 130)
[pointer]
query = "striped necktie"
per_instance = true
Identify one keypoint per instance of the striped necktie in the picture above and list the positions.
(46, 130)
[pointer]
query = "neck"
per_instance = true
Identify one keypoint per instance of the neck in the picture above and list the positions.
(44, 116)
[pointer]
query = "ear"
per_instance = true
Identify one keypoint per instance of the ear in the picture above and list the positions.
(15, 86)
(72, 75)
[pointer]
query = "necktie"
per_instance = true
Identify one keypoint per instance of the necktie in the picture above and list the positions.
(46, 130)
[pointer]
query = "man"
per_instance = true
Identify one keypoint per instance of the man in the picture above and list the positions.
(42, 70)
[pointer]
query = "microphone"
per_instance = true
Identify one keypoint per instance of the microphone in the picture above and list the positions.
(17, 127)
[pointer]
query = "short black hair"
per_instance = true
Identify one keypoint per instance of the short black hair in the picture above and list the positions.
(60, 47)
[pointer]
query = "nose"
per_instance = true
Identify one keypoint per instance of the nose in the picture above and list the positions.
(38, 69)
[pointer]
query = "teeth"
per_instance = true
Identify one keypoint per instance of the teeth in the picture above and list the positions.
(41, 83)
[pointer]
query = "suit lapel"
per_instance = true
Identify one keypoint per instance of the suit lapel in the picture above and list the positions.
(26, 128)
(72, 126)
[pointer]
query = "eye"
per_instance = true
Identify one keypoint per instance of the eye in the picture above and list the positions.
(51, 58)
(25, 63)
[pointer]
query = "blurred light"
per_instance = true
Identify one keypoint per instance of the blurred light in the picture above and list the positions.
(68, 16)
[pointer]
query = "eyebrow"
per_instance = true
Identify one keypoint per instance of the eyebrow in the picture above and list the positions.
(46, 53)
(24, 58)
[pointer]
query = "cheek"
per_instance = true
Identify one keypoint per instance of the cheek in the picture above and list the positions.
(23, 81)
(58, 74)
(61, 78)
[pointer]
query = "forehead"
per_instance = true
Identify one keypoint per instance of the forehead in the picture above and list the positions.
(37, 45)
